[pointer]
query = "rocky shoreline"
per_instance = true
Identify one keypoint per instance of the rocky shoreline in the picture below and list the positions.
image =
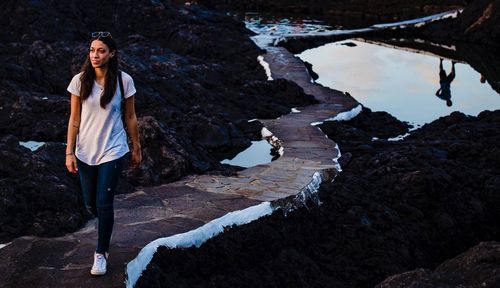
(197, 75)
(346, 13)
(396, 206)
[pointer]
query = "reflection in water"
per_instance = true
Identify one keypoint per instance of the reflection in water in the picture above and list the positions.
(260, 152)
(444, 91)
(281, 26)
(399, 82)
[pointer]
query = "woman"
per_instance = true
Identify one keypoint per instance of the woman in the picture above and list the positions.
(97, 140)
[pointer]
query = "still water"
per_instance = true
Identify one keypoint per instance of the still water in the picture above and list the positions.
(258, 153)
(400, 82)
(383, 79)
(269, 25)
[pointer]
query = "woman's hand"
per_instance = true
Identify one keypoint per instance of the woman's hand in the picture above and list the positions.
(71, 163)
(136, 158)
(133, 131)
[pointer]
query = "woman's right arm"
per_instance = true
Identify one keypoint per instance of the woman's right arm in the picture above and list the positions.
(73, 126)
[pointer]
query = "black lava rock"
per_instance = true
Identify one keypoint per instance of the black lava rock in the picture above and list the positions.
(394, 208)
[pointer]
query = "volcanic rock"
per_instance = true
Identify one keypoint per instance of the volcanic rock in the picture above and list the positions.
(478, 267)
(164, 160)
(198, 83)
(363, 128)
(349, 13)
(37, 196)
(397, 207)
(479, 23)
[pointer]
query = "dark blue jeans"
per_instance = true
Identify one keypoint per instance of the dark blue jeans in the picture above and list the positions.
(98, 186)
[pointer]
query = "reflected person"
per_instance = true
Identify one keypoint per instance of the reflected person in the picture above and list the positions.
(445, 81)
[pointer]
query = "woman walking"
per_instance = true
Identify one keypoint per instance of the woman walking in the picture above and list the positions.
(96, 140)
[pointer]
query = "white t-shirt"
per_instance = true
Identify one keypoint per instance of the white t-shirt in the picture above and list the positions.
(101, 137)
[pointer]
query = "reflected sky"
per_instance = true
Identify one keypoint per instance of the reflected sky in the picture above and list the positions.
(399, 82)
(258, 153)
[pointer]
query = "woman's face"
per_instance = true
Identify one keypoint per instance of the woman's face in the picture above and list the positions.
(100, 54)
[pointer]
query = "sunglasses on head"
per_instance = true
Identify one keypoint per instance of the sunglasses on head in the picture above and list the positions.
(100, 34)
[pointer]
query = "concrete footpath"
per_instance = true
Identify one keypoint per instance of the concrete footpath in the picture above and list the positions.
(166, 210)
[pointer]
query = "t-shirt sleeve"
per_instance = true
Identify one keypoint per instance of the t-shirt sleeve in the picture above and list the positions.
(74, 85)
(128, 85)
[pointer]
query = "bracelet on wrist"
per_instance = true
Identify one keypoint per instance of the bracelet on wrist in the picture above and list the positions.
(71, 153)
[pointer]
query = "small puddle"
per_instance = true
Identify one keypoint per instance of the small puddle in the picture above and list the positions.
(32, 145)
(259, 152)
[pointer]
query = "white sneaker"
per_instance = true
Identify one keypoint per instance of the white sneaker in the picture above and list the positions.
(99, 267)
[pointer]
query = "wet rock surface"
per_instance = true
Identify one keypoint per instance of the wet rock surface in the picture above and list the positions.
(198, 83)
(396, 206)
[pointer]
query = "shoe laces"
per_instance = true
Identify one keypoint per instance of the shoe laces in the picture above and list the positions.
(99, 261)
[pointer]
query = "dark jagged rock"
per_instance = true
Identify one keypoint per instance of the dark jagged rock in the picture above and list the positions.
(37, 196)
(394, 208)
(198, 83)
(310, 70)
(34, 116)
(478, 267)
(349, 13)
(186, 74)
(479, 23)
(349, 44)
(164, 159)
(361, 129)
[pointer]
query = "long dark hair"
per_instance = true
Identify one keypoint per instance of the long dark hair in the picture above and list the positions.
(88, 74)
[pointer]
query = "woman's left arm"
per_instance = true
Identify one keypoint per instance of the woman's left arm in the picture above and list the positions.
(133, 130)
